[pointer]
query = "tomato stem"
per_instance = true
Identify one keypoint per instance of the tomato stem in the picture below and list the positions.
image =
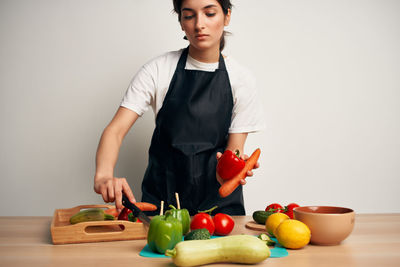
(209, 210)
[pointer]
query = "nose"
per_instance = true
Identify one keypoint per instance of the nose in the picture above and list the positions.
(199, 23)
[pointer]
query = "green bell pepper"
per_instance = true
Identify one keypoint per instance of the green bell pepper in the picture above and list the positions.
(164, 233)
(182, 215)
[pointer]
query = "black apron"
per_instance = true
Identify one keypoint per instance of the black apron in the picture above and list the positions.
(191, 127)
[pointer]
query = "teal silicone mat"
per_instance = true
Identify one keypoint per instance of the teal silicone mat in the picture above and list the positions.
(276, 252)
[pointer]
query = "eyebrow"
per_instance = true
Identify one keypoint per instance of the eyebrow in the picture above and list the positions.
(190, 9)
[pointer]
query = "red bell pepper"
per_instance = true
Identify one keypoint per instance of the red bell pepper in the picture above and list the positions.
(123, 215)
(229, 164)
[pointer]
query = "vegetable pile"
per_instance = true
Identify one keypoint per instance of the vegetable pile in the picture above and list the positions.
(260, 216)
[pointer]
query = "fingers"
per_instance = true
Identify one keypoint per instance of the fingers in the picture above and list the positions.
(219, 154)
(127, 190)
(104, 194)
(118, 193)
(244, 157)
(111, 190)
(249, 173)
(243, 182)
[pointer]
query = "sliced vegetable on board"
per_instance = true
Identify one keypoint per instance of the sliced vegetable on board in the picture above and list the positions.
(94, 214)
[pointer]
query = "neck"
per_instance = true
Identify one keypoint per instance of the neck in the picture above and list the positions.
(206, 56)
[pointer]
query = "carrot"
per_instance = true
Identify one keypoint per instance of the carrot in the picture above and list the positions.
(229, 186)
(145, 206)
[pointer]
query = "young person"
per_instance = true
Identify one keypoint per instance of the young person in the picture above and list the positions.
(204, 104)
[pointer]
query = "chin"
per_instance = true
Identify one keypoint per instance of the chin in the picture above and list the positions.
(202, 46)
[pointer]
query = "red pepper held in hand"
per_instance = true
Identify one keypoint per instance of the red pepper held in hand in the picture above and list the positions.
(229, 164)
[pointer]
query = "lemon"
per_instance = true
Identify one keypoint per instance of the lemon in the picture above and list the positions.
(293, 234)
(274, 220)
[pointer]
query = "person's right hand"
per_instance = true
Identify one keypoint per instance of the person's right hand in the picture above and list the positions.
(111, 188)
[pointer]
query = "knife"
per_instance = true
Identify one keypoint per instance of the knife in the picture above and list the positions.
(135, 210)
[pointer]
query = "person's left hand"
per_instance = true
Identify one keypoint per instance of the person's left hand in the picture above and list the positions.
(249, 173)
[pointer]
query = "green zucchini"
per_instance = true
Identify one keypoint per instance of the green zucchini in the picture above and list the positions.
(94, 214)
(246, 249)
(261, 216)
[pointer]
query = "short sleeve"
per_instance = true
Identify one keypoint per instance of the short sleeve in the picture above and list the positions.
(141, 91)
(247, 114)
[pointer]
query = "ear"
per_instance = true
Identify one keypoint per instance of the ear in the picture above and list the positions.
(227, 17)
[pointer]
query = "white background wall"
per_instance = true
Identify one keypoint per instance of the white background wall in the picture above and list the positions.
(328, 75)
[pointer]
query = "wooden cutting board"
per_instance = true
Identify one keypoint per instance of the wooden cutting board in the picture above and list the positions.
(255, 226)
(62, 232)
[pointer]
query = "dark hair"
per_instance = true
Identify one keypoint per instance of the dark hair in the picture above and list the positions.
(225, 4)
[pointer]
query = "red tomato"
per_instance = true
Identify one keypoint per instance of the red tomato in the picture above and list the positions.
(289, 209)
(202, 220)
(229, 164)
(223, 224)
(274, 207)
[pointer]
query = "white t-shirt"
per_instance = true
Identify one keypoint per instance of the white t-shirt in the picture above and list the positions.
(150, 85)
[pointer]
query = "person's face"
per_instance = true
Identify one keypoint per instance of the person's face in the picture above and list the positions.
(203, 22)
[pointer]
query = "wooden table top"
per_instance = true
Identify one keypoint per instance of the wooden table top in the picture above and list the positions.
(26, 241)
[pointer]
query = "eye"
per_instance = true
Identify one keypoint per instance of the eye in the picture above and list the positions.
(188, 16)
(210, 14)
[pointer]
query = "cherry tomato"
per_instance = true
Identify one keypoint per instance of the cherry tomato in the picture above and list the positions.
(289, 209)
(202, 220)
(223, 224)
(274, 207)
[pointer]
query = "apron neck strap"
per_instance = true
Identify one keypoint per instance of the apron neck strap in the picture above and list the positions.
(185, 53)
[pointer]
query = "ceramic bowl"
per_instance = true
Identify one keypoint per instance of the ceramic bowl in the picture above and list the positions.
(328, 225)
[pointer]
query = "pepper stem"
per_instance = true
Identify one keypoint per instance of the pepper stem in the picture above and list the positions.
(170, 252)
(209, 210)
(162, 208)
(177, 201)
(172, 207)
(237, 153)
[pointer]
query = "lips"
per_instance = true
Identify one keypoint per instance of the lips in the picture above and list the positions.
(201, 36)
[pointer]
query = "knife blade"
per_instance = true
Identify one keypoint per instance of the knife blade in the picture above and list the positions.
(135, 210)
